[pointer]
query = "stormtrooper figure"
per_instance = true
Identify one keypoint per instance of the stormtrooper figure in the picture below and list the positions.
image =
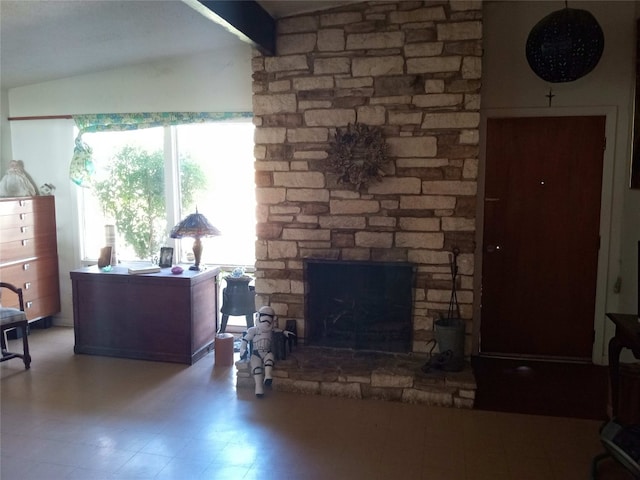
(262, 358)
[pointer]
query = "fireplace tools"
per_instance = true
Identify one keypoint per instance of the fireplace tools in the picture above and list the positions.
(449, 331)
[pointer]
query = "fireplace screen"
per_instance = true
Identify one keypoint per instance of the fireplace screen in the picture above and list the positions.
(359, 305)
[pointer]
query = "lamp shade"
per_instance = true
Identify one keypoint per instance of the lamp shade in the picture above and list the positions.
(195, 225)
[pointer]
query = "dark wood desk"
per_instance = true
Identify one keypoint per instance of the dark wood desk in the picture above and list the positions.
(156, 316)
(627, 336)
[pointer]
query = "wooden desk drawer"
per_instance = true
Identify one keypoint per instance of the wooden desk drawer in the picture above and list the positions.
(17, 226)
(27, 248)
(16, 220)
(24, 232)
(44, 287)
(29, 271)
(16, 206)
(42, 307)
(36, 307)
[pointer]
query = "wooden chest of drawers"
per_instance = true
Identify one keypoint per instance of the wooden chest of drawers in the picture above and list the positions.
(29, 253)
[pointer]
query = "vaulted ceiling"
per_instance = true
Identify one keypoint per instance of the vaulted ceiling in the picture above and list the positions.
(42, 40)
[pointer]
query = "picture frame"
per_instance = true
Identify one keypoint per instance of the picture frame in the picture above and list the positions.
(105, 257)
(166, 257)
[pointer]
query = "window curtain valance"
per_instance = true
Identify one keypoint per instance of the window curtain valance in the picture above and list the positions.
(82, 169)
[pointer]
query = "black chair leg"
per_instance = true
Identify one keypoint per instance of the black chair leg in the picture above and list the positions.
(223, 325)
(594, 464)
(25, 355)
(25, 347)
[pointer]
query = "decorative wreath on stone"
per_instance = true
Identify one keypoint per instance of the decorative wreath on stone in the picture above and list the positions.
(357, 154)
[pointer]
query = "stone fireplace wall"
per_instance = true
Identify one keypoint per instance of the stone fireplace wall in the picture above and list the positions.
(413, 69)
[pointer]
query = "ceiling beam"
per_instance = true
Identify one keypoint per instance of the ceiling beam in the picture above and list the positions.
(246, 19)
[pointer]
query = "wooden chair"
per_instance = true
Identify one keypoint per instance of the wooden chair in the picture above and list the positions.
(14, 318)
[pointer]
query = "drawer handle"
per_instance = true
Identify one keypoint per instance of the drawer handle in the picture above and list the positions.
(23, 229)
(29, 304)
(24, 243)
(22, 203)
(27, 285)
(26, 266)
(23, 216)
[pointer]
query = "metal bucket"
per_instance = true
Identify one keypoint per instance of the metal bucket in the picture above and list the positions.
(449, 334)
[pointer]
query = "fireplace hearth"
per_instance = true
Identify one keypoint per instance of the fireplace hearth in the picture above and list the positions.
(359, 305)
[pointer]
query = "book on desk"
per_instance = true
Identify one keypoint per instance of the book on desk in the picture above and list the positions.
(144, 269)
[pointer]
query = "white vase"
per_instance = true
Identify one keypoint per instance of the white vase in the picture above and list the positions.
(110, 240)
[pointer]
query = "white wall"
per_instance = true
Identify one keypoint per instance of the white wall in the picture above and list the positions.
(217, 81)
(46, 148)
(5, 133)
(510, 88)
(214, 82)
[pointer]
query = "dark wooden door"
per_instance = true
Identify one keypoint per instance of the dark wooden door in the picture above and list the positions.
(541, 235)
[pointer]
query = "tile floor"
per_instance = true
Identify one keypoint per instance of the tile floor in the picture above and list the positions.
(91, 418)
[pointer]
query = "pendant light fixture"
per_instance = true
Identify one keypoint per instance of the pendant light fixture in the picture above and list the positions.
(565, 45)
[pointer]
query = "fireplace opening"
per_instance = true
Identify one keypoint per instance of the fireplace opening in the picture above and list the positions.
(359, 305)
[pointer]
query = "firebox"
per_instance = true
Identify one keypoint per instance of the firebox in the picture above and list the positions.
(360, 305)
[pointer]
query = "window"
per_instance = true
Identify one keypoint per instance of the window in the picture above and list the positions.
(208, 166)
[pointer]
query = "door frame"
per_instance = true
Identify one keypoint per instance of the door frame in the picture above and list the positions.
(602, 329)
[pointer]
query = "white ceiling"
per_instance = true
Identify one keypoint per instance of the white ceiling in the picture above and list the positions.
(42, 40)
